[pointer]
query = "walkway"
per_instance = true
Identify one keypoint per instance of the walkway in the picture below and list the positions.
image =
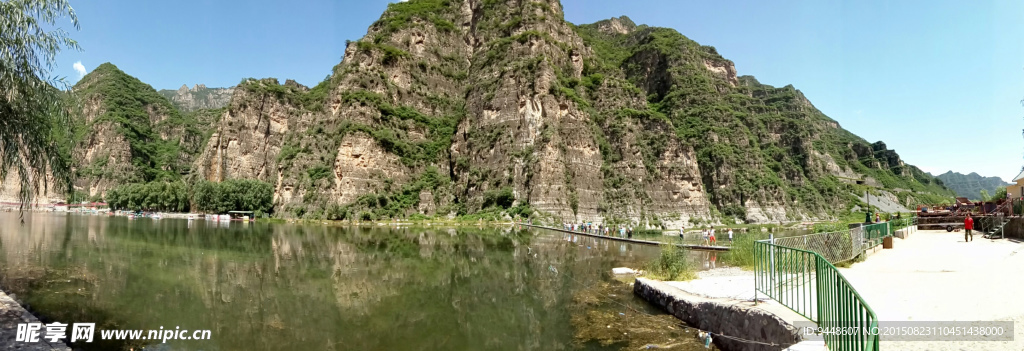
(936, 276)
(635, 241)
(930, 276)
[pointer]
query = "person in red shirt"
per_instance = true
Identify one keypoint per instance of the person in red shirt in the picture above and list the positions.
(968, 225)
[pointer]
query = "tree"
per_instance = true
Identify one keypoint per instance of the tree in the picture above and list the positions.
(984, 195)
(1000, 194)
(34, 113)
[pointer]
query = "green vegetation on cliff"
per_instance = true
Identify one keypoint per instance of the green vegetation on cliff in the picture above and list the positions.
(510, 111)
(754, 142)
(156, 133)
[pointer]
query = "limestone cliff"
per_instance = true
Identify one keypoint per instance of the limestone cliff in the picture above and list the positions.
(127, 133)
(501, 107)
(475, 104)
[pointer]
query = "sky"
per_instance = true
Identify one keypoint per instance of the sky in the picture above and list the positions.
(940, 82)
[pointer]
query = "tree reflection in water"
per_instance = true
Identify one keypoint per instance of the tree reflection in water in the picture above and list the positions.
(282, 286)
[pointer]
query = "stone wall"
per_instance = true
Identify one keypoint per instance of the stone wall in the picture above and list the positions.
(718, 317)
(1015, 229)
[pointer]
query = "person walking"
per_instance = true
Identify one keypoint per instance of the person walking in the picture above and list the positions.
(712, 237)
(730, 235)
(968, 226)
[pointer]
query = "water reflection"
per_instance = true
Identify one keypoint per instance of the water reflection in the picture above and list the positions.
(281, 287)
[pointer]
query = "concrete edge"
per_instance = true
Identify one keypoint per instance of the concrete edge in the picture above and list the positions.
(763, 330)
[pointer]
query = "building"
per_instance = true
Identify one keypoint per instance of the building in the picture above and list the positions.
(1016, 189)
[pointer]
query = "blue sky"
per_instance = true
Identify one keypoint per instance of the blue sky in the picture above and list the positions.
(938, 81)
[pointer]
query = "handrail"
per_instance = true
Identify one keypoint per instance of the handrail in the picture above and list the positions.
(808, 284)
(805, 281)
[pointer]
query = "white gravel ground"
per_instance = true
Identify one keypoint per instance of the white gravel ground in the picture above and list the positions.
(930, 276)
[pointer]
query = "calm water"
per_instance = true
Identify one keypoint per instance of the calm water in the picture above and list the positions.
(309, 287)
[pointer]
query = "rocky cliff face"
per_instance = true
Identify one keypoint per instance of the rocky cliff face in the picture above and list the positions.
(127, 133)
(475, 95)
(198, 97)
(500, 106)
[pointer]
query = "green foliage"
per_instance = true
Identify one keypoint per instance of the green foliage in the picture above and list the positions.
(394, 204)
(833, 226)
(153, 196)
(1000, 194)
(78, 196)
(318, 172)
(752, 141)
(741, 253)
(672, 264)
(233, 195)
(34, 112)
(310, 100)
(205, 196)
(400, 15)
(288, 152)
(390, 131)
(127, 104)
(501, 198)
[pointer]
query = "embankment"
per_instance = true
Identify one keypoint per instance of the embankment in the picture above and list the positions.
(735, 325)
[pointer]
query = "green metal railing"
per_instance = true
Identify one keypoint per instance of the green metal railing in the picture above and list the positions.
(798, 272)
(807, 283)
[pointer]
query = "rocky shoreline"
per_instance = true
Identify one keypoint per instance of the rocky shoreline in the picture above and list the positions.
(12, 314)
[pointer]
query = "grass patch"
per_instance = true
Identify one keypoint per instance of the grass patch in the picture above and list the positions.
(742, 252)
(673, 264)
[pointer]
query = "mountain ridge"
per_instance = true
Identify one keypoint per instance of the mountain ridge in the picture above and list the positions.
(494, 108)
(970, 185)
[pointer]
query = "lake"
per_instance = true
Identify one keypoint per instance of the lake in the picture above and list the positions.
(270, 286)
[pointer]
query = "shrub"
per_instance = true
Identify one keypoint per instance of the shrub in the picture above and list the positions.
(672, 264)
(502, 198)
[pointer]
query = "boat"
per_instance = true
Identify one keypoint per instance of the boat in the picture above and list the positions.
(245, 216)
(191, 216)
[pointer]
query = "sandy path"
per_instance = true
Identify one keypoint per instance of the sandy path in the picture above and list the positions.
(936, 276)
(930, 276)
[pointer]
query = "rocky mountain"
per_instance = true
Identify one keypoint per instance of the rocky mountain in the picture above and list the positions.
(198, 97)
(128, 133)
(483, 107)
(971, 185)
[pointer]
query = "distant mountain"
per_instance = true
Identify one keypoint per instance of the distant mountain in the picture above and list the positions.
(198, 97)
(970, 185)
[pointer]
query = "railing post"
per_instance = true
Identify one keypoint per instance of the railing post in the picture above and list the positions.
(771, 262)
(818, 270)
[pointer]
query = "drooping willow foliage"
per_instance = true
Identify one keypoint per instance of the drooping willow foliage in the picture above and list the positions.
(34, 111)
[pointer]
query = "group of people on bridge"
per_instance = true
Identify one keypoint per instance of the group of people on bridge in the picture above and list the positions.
(708, 235)
(599, 229)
